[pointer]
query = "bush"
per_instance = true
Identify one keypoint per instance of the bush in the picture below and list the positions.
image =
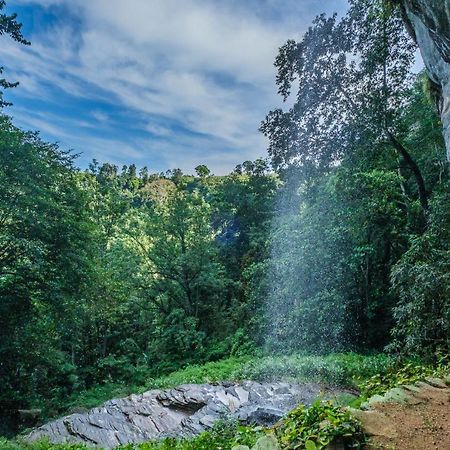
(421, 278)
(401, 375)
(319, 425)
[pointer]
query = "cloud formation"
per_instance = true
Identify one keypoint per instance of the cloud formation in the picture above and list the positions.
(167, 83)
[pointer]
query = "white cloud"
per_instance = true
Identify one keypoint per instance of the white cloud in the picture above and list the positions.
(100, 116)
(158, 130)
(206, 65)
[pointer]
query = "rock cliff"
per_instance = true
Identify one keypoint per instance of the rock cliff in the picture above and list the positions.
(429, 23)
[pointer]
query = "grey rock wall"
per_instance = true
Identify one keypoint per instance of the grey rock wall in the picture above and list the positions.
(429, 22)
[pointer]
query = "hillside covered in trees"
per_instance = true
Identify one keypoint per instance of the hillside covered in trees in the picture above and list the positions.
(339, 241)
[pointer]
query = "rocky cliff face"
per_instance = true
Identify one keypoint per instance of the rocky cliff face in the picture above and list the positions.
(184, 411)
(429, 23)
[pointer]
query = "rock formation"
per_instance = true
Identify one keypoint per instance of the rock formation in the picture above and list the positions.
(429, 23)
(184, 411)
(413, 416)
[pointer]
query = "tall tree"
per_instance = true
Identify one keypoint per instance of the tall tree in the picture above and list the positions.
(45, 254)
(351, 76)
(10, 27)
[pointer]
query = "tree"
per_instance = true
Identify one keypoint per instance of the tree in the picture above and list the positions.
(10, 27)
(351, 75)
(202, 171)
(421, 278)
(181, 277)
(45, 264)
(428, 22)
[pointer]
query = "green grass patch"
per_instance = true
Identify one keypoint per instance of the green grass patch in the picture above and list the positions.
(211, 372)
(341, 369)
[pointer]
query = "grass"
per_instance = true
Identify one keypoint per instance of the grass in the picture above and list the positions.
(339, 369)
(342, 369)
(211, 372)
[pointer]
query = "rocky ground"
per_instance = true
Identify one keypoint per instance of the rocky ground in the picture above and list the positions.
(184, 411)
(412, 417)
(415, 417)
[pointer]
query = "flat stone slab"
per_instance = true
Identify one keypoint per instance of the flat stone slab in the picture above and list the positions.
(184, 411)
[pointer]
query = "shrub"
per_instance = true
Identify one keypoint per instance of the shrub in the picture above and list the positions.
(401, 375)
(319, 425)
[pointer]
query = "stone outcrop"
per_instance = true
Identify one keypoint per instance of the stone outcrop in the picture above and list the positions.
(184, 411)
(413, 416)
(429, 23)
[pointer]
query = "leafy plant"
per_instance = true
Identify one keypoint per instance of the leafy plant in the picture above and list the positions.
(396, 376)
(317, 426)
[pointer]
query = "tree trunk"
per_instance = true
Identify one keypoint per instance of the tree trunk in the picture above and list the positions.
(409, 161)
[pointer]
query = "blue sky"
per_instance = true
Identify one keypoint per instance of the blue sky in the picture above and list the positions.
(161, 83)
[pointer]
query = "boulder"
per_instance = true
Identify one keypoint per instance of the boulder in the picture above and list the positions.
(375, 423)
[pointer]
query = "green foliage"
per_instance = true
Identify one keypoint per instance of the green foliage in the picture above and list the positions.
(328, 277)
(337, 369)
(10, 27)
(399, 375)
(422, 281)
(362, 158)
(224, 435)
(41, 445)
(111, 279)
(317, 426)
(46, 242)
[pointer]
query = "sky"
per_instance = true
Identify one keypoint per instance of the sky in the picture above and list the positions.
(159, 83)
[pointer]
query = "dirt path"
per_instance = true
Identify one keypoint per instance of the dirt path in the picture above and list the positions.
(419, 421)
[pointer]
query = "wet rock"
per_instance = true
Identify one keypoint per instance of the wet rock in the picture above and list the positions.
(261, 416)
(396, 395)
(373, 400)
(184, 411)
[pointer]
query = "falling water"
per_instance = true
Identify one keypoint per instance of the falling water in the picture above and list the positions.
(305, 310)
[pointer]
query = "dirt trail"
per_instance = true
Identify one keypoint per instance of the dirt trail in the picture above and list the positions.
(418, 421)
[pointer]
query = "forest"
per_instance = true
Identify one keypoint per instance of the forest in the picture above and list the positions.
(338, 242)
